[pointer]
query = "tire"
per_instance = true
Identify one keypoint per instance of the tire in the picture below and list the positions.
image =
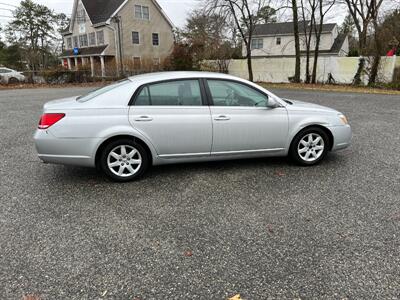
(309, 147)
(13, 80)
(124, 166)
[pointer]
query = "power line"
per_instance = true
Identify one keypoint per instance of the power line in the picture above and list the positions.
(2, 3)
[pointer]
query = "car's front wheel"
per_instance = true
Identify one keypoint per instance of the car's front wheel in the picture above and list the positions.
(124, 160)
(310, 146)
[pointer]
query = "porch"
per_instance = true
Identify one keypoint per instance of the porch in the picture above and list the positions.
(93, 58)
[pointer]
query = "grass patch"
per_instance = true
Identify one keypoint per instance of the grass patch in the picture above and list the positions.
(387, 89)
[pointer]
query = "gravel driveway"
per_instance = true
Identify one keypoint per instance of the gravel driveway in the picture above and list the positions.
(263, 228)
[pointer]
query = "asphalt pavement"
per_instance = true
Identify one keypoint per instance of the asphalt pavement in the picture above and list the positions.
(264, 229)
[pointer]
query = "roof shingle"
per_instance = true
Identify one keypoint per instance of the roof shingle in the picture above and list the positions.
(101, 10)
(286, 28)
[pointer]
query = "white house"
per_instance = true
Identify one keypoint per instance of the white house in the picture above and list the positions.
(277, 40)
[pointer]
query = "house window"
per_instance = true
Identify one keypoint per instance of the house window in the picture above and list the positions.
(257, 43)
(136, 63)
(83, 40)
(100, 37)
(81, 16)
(278, 40)
(142, 12)
(156, 39)
(92, 39)
(135, 37)
(69, 43)
(76, 44)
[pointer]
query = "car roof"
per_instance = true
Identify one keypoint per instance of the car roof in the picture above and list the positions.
(160, 76)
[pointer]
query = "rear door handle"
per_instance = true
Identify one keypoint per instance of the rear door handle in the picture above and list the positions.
(144, 119)
(222, 118)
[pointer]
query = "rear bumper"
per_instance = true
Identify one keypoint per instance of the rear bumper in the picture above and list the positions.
(78, 152)
(341, 137)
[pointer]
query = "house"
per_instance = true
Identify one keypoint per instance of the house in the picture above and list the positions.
(113, 33)
(277, 40)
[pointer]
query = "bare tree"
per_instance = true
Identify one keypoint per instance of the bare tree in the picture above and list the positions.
(324, 7)
(363, 13)
(244, 15)
(308, 11)
(296, 40)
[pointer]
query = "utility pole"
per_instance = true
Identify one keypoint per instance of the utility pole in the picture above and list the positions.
(117, 20)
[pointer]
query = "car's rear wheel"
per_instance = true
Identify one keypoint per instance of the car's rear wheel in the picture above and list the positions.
(13, 80)
(310, 146)
(124, 160)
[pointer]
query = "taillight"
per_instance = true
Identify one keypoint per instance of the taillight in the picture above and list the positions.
(48, 120)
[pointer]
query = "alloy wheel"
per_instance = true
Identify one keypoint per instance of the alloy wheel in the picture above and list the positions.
(311, 147)
(124, 161)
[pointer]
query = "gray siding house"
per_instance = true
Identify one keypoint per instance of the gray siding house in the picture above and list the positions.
(115, 33)
(277, 40)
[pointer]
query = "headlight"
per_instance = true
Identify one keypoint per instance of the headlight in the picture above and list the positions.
(343, 119)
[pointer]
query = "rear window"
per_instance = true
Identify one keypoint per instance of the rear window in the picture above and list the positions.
(103, 90)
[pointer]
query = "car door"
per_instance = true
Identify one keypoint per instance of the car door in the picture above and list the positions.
(242, 120)
(174, 117)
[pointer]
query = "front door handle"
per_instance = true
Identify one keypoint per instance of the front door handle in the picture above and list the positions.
(144, 119)
(222, 118)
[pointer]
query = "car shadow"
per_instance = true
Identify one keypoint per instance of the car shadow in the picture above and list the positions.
(71, 174)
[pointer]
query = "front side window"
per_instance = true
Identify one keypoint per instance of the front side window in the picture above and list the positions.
(69, 43)
(142, 12)
(228, 93)
(76, 44)
(83, 40)
(172, 93)
(156, 39)
(3, 71)
(92, 39)
(100, 37)
(135, 38)
(257, 43)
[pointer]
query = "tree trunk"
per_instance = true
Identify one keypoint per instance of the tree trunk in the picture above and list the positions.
(316, 53)
(374, 70)
(249, 64)
(377, 57)
(357, 76)
(296, 41)
(361, 65)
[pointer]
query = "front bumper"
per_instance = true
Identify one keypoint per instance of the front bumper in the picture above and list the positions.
(66, 151)
(341, 137)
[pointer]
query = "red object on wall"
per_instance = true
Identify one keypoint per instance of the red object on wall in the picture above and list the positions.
(392, 52)
(65, 63)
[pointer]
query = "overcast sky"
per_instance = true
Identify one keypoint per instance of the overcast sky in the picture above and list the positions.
(177, 10)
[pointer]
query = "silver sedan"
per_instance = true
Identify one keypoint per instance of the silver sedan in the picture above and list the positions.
(177, 117)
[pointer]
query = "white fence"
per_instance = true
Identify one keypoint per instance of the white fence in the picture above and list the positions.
(342, 68)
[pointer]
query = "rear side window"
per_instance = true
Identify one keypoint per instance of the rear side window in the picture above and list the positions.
(172, 93)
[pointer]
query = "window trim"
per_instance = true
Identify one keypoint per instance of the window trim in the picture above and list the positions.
(257, 39)
(69, 43)
(138, 32)
(141, 12)
(80, 41)
(158, 39)
(204, 101)
(95, 38)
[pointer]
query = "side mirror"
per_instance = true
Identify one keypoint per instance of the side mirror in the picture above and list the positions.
(272, 104)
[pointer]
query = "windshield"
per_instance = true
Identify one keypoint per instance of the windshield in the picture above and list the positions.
(100, 91)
